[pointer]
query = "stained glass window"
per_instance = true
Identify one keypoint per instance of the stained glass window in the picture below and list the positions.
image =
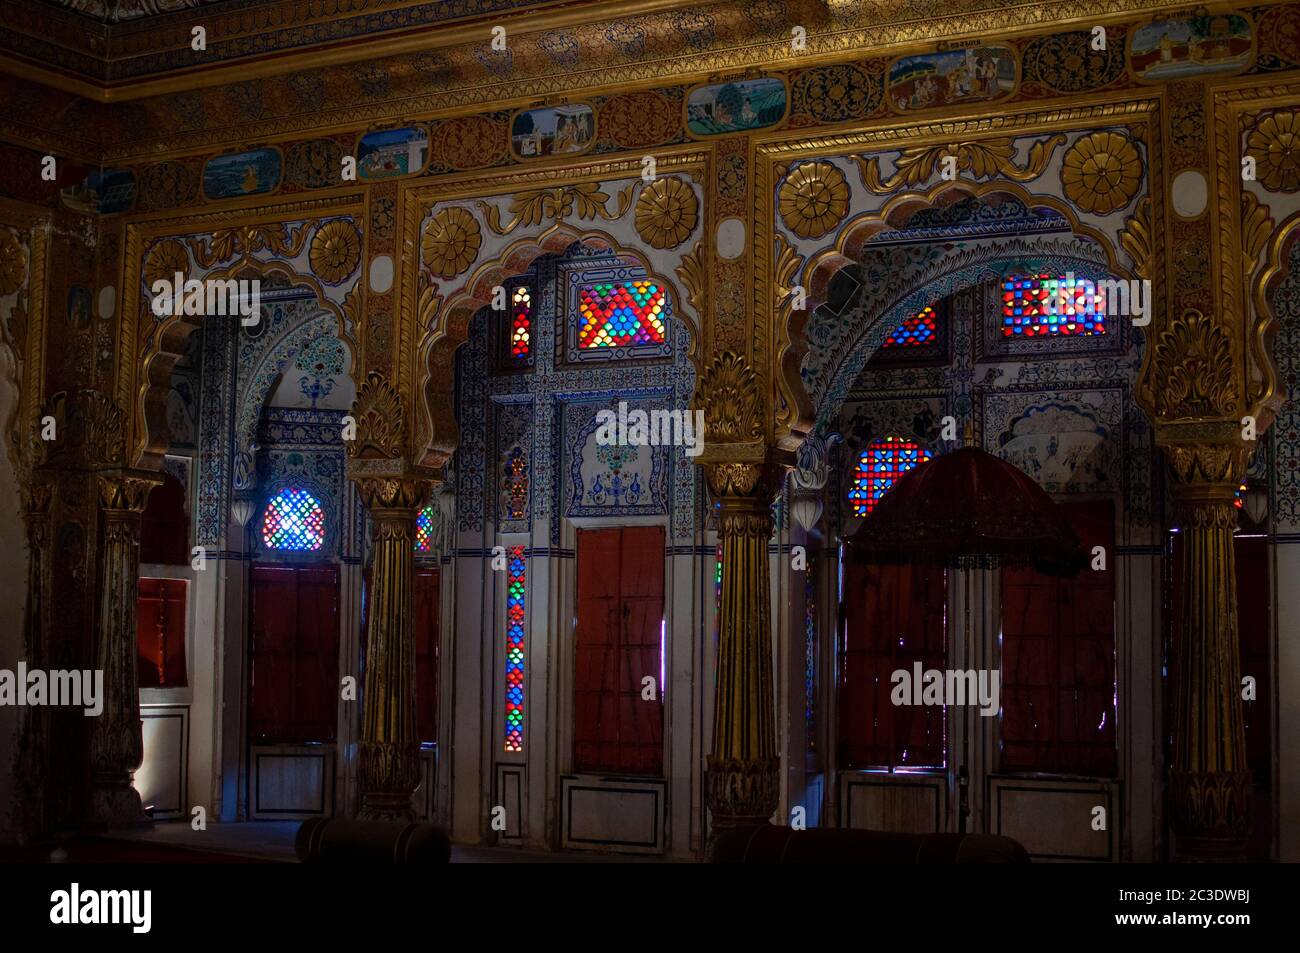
(516, 605)
(1051, 305)
(516, 490)
(620, 314)
(810, 656)
(424, 524)
(915, 331)
(294, 520)
(521, 326)
(883, 461)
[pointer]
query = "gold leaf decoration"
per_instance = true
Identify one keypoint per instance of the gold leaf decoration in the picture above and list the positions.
(981, 158)
(1136, 239)
(666, 212)
(335, 251)
(694, 277)
(451, 242)
(813, 199)
(1274, 144)
(164, 261)
(1193, 369)
(535, 206)
(785, 267)
(733, 409)
(13, 263)
(379, 419)
(282, 240)
(104, 428)
(1102, 172)
(1256, 227)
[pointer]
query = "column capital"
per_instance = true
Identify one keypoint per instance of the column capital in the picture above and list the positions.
(126, 491)
(401, 490)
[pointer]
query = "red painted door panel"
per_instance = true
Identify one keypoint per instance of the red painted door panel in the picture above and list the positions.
(1058, 659)
(618, 640)
(160, 628)
(894, 616)
(294, 690)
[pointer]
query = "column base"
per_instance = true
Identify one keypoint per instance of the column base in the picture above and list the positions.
(383, 806)
(113, 804)
(742, 792)
(389, 774)
(1211, 814)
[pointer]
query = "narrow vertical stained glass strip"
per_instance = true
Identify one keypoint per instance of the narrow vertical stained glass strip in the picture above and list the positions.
(516, 606)
(915, 331)
(1051, 305)
(810, 656)
(294, 520)
(883, 461)
(521, 326)
(424, 530)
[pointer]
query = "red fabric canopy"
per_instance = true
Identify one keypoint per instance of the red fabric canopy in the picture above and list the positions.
(968, 509)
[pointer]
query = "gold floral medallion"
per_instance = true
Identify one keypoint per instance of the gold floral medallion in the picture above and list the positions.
(813, 199)
(451, 242)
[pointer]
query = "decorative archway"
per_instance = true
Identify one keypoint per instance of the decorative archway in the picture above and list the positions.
(473, 240)
(293, 242)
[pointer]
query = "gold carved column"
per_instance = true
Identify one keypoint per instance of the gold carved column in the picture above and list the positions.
(743, 767)
(393, 494)
(390, 746)
(1209, 780)
(30, 767)
(116, 742)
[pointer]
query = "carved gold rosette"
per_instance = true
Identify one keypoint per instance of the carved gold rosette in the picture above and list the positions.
(451, 242)
(335, 251)
(1102, 172)
(666, 212)
(813, 199)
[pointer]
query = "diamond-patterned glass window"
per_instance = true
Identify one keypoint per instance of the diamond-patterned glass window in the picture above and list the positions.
(294, 521)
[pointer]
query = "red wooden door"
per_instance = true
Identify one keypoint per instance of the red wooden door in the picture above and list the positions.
(618, 644)
(426, 654)
(294, 689)
(1058, 659)
(894, 616)
(160, 628)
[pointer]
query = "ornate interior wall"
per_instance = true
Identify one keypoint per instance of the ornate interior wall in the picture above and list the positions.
(775, 168)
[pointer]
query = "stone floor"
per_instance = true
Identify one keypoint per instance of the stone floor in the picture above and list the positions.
(273, 840)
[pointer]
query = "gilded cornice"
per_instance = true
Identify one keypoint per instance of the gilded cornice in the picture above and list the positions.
(723, 35)
(462, 76)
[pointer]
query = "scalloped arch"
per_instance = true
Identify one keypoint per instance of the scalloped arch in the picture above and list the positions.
(436, 430)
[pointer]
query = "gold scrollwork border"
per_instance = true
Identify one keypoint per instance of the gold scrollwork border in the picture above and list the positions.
(1244, 296)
